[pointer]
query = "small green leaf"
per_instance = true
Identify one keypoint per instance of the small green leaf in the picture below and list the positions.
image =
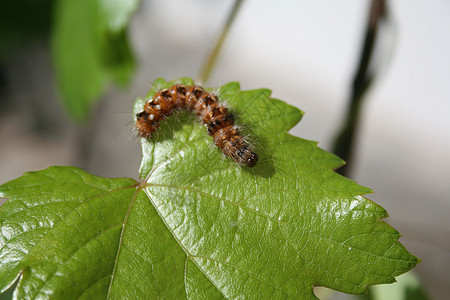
(407, 287)
(198, 225)
(90, 45)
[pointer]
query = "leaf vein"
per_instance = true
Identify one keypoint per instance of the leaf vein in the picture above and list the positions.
(71, 254)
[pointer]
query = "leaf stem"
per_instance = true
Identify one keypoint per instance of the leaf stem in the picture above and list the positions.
(365, 73)
(212, 58)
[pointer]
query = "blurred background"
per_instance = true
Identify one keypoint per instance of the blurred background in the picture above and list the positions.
(306, 52)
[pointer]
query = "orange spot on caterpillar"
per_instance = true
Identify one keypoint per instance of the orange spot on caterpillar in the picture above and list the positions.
(214, 115)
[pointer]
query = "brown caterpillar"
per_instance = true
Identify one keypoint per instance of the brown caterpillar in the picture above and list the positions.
(215, 116)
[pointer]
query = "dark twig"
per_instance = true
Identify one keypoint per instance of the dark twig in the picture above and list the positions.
(212, 58)
(364, 76)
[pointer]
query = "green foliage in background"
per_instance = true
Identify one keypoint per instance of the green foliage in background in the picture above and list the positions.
(22, 21)
(197, 225)
(407, 287)
(90, 45)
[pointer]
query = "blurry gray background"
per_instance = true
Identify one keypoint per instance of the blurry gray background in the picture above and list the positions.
(306, 52)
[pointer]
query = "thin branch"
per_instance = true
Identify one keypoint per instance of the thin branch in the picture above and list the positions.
(212, 58)
(363, 78)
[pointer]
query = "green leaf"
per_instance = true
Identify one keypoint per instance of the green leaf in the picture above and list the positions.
(90, 45)
(197, 225)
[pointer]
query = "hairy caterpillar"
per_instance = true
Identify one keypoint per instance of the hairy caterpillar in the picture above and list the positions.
(214, 115)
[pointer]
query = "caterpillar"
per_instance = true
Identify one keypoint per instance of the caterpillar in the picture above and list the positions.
(214, 115)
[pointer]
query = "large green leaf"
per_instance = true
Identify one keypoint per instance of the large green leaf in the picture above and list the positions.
(197, 225)
(90, 45)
